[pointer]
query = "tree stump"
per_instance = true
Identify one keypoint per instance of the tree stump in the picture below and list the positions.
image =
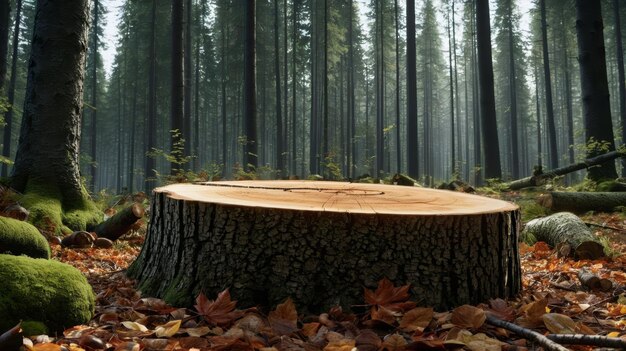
(321, 243)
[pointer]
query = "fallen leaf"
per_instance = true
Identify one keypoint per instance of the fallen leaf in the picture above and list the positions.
(381, 313)
(200, 331)
(417, 319)
(219, 312)
(284, 319)
(394, 342)
(168, 329)
(367, 340)
(559, 323)
(501, 309)
(389, 296)
(340, 345)
(134, 326)
(310, 329)
(46, 347)
(467, 316)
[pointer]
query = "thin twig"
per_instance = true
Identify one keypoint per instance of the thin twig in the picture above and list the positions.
(605, 227)
(583, 339)
(546, 343)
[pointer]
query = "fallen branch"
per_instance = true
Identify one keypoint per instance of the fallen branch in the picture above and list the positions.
(540, 339)
(582, 201)
(120, 223)
(583, 339)
(540, 178)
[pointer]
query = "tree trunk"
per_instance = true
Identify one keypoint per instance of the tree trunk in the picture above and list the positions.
(48, 155)
(151, 132)
(5, 18)
(279, 101)
(94, 99)
(515, 160)
(177, 85)
(321, 242)
(8, 116)
(540, 178)
(565, 232)
(594, 85)
(580, 202)
(411, 93)
(621, 78)
(487, 98)
(553, 156)
(398, 139)
(249, 68)
(188, 68)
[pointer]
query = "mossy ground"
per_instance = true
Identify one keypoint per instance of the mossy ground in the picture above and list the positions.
(51, 212)
(46, 291)
(22, 238)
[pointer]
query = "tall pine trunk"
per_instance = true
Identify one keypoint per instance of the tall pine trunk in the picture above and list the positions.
(411, 93)
(594, 86)
(94, 98)
(621, 78)
(8, 116)
(151, 132)
(5, 18)
(250, 152)
(187, 64)
(279, 101)
(515, 160)
(553, 156)
(177, 84)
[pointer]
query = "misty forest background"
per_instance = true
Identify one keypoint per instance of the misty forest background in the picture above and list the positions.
(332, 91)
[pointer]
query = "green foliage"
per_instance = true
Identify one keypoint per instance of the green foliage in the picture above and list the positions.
(332, 168)
(46, 291)
(530, 209)
(30, 328)
(22, 238)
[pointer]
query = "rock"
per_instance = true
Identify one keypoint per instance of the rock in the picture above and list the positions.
(46, 291)
(22, 238)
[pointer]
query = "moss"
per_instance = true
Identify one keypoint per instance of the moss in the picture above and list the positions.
(49, 211)
(611, 185)
(31, 328)
(46, 291)
(21, 238)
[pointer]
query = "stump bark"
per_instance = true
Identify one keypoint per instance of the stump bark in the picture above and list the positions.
(321, 243)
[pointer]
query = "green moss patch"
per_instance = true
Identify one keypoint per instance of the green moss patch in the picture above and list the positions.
(46, 291)
(22, 238)
(49, 211)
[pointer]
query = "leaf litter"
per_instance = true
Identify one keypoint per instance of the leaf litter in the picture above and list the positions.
(552, 301)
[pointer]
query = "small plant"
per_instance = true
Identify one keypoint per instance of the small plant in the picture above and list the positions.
(332, 169)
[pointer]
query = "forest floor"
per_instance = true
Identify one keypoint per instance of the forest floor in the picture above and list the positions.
(552, 301)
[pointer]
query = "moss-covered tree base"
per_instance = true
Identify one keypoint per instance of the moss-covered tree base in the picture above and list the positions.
(50, 211)
(21, 238)
(45, 291)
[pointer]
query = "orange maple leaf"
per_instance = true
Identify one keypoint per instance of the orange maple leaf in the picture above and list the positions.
(284, 319)
(219, 312)
(390, 297)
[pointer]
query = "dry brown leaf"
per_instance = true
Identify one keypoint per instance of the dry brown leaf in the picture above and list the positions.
(134, 326)
(284, 319)
(310, 329)
(389, 296)
(367, 340)
(199, 331)
(381, 313)
(219, 312)
(532, 314)
(501, 310)
(417, 319)
(46, 347)
(340, 345)
(467, 316)
(559, 323)
(168, 329)
(394, 342)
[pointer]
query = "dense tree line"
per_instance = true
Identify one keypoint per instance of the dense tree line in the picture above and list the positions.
(279, 88)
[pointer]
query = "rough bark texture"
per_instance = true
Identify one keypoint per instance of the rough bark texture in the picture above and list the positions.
(324, 255)
(5, 16)
(541, 178)
(49, 139)
(594, 84)
(120, 223)
(565, 232)
(583, 201)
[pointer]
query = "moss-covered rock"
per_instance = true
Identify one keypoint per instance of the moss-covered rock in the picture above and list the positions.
(22, 238)
(46, 291)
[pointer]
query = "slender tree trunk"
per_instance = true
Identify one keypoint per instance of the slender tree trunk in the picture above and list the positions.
(195, 135)
(294, 56)
(177, 84)
(325, 131)
(223, 64)
(621, 78)
(48, 152)
(94, 98)
(151, 132)
(411, 93)
(515, 161)
(285, 122)
(352, 154)
(538, 109)
(553, 156)
(279, 101)
(569, 105)
(249, 62)
(478, 159)
(380, 94)
(8, 116)
(398, 139)
(487, 99)
(5, 18)
(594, 85)
(187, 69)
(452, 131)
(456, 89)
(313, 130)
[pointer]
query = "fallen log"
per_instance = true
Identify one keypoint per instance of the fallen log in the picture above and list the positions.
(540, 178)
(593, 282)
(120, 223)
(565, 232)
(579, 202)
(320, 243)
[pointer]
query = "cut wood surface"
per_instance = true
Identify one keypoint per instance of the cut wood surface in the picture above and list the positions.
(582, 201)
(320, 243)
